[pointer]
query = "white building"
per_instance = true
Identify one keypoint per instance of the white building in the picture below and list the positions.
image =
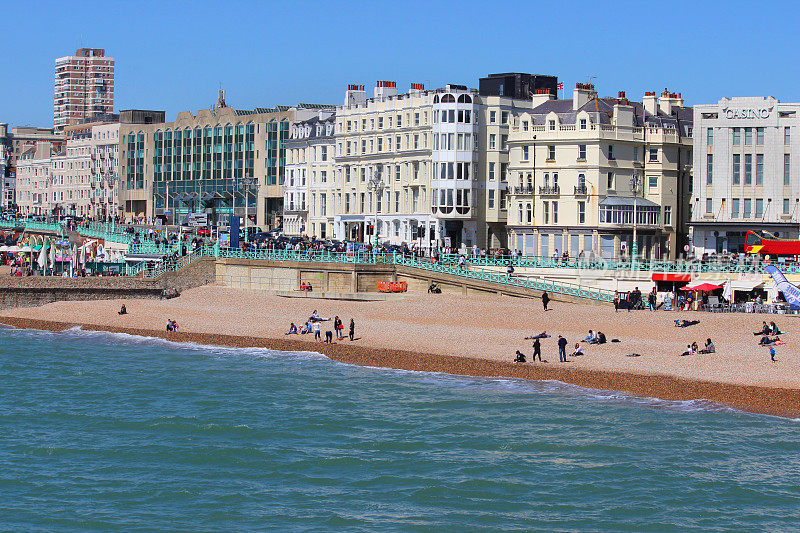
(7, 183)
(310, 174)
(34, 183)
(746, 153)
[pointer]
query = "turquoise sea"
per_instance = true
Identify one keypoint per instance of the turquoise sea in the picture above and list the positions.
(102, 432)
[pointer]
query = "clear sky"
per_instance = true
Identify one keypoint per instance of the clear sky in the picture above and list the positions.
(174, 55)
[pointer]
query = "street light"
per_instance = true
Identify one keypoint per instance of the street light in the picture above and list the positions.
(245, 185)
(636, 184)
(376, 184)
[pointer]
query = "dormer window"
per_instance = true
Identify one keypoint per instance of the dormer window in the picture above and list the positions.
(583, 124)
(551, 125)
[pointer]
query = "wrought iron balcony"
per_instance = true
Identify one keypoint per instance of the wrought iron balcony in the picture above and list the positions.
(549, 190)
(522, 189)
(581, 190)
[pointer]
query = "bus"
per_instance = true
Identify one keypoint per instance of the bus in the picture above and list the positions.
(767, 243)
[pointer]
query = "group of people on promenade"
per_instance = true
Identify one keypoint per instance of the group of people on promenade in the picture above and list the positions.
(313, 325)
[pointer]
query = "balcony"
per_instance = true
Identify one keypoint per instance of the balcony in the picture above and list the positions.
(548, 190)
(522, 189)
(581, 190)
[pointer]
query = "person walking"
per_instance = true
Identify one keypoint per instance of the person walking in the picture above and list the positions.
(772, 353)
(352, 329)
(562, 349)
(537, 350)
(616, 301)
(545, 299)
(337, 325)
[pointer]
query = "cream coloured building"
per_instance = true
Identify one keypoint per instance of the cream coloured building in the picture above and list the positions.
(588, 172)
(424, 167)
(34, 192)
(310, 176)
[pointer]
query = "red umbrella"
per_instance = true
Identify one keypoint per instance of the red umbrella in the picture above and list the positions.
(705, 287)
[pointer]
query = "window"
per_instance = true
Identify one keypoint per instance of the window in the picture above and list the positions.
(491, 171)
(581, 212)
(737, 169)
(610, 180)
(748, 136)
(581, 151)
(748, 203)
(547, 212)
(748, 169)
(551, 152)
(380, 122)
(397, 201)
(709, 168)
(492, 116)
(503, 171)
(583, 123)
(760, 169)
(504, 142)
(492, 141)
(653, 155)
(735, 208)
(785, 206)
(652, 182)
(709, 205)
(529, 212)
(759, 136)
(551, 125)
(787, 136)
(555, 212)
(491, 198)
(787, 165)
(525, 151)
(667, 215)
(759, 208)
(710, 136)
(610, 152)
(737, 136)
(504, 117)
(524, 125)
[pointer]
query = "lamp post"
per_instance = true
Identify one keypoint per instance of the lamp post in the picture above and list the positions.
(635, 186)
(376, 184)
(244, 185)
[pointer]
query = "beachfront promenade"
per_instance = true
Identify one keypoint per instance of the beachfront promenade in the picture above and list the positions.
(532, 272)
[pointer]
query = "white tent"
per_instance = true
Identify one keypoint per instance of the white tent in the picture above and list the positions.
(42, 260)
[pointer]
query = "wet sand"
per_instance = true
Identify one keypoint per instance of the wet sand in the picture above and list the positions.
(477, 336)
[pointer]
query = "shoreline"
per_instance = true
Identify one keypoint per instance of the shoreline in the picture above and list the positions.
(776, 401)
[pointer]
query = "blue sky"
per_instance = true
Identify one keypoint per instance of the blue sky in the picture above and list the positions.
(174, 55)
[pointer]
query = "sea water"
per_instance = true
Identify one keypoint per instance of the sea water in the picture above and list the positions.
(114, 432)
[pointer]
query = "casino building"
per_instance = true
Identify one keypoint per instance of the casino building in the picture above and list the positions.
(745, 172)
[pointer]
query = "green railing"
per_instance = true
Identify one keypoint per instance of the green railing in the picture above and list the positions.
(642, 265)
(571, 289)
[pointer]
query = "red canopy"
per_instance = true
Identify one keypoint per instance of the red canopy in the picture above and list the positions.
(705, 287)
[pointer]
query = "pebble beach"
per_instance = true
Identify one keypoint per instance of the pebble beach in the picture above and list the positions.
(476, 336)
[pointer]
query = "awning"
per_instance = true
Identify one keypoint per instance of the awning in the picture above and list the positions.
(745, 285)
(625, 200)
(667, 276)
(704, 287)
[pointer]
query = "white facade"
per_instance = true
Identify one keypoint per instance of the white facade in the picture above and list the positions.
(310, 177)
(7, 183)
(747, 164)
(426, 167)
(104, 199)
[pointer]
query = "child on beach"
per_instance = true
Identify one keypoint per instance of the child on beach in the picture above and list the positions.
(520, 357)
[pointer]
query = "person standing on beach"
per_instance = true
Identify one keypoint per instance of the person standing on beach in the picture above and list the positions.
(337, 325)
(772, 353)
(545, 299)
(352, 329)
(537, 350)
(315, 327)
(616, 301)
(562, 349)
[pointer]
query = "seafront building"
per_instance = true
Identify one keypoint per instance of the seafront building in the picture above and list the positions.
(747, 161)
(219, 162)
(310, 174)
(84, 87)
(587, 173)
(33, 180)
(425, 167)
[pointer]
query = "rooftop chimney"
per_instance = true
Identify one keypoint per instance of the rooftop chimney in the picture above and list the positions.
(583, 93)
(649, 102)
(417, 88)
(385, 89)
(623, 111)
(541, 96)
(355, 95)
(667, 101)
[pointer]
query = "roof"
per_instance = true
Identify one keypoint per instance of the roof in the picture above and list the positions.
(601, 111)
(628, 201)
